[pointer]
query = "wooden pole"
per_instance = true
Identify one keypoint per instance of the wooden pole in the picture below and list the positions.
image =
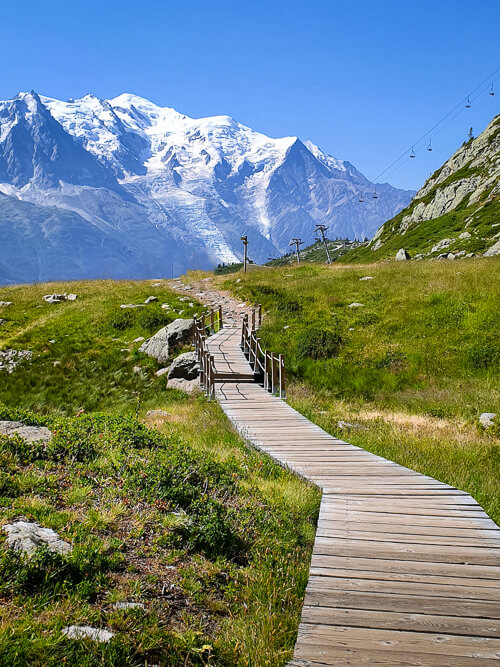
(212, 322)
(282, 376)
(266, 370)
(260, 315)
(253, 319)
(273, 373)
(220, 318)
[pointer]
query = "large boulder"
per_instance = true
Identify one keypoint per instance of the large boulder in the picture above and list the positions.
(188, 386)
(184, 367)
(27, 537)
(401, 255)
(177, 333)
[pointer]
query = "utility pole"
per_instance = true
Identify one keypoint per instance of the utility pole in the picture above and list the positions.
(322, 229)
(245, 256)
(297, 243)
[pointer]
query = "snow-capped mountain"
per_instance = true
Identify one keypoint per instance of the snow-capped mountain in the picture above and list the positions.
(125, 188)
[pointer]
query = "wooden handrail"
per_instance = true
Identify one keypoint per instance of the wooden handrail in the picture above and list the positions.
(270, 365)
(205, 359)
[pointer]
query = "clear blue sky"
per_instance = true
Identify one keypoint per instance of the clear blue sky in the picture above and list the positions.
(363, 80)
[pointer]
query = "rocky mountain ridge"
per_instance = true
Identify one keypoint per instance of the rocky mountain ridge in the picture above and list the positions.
(455, 214)
(124, 188)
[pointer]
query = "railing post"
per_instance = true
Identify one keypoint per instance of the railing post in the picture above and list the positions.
(282, 376)
(260, 315)
(203, 323)
(253, 319)
(266, 371)
(212, 322)
(220, 318)
(273, 374)
(244, 326)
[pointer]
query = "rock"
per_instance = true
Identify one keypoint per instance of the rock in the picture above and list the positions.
(451, 256)
(367, 278)
(156, 285)
(87, 632)
(469, 255)
(56, 363)
(238, 280)
(185, 367)
(175, 334)
(5, 303)
(419, 256)
(157, 413)
(10, 359)
(150, 299)
(487, 419)
(138, 340)
(189, 386)
(355, 305)
(493, 250)
(165, 306)
(57, 298)
(346, 425)
(444, 243)
(443, 255)
(28, 433)
(28, 537)
(162, 371)
(128, 605)
(402, 255)
(464, 235)
(133, 305)
(137, 369)
(71, 297)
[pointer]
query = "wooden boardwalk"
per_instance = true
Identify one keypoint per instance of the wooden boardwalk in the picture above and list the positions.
(405, 569)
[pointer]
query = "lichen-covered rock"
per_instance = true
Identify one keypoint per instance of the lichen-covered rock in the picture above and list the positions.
(401, 255)
(28, 433)
(28, 536)
(188, 386)
(487, 419)
(493, 250)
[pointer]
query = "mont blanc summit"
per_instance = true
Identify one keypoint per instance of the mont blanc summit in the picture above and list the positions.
(123, 188)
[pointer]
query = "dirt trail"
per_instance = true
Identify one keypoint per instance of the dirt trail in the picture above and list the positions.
(203, 291)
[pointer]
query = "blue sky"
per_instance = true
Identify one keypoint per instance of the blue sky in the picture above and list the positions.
(362, 80)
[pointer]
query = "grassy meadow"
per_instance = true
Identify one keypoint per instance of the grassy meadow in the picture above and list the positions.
(171, 510)
(412, 367)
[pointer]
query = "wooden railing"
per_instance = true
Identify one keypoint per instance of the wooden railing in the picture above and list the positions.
(267, 364)
(209, 323)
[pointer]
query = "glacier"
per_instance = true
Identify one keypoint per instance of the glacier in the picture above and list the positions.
(123, 188)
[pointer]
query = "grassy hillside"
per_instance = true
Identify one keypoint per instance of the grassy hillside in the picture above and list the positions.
(171, 510)
(469, 183)
(412, 367)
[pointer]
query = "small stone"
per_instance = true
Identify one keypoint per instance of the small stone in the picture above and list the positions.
(71, 297)
(450, 256)
(5, 303)
(87, 632)
(238, 280)
(188, 386)
(52, 341)
(150, 299)
(355, 305)
(157, 413)
(128, 605)
(444, 243)
(137, 369)
(464, 235)
(487, 419)
(28, 433)
(156, 285)
(191, 304)
(162, 371)
(347, 425)
(133, 305)
(287, 326)
(56, 363)
(367, 278)
(138, 340)
(28, 537)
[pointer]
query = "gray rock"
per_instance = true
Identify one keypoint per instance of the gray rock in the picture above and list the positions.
(133, 305)
(443, 255)
(419, 256)
(5, 303)
(487, 419)
(162, 371)
(189, 386)
(401, 255)
(157, 413)
(464, 235)
(355, 305)
(347, 425)
(185, 367)
(138, 340)
(177, 333)
(367, 278)
(28, 433)
(493, 250)
(71, 297)
(28, 537)
(57, 298)
(444, 243)
(10, 359)
(128, 605)
(150, 299)
(469, 255)
(87, 632)
(451, 256)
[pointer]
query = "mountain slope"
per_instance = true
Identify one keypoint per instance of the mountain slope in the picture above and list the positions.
(456, 212)
(179, 191)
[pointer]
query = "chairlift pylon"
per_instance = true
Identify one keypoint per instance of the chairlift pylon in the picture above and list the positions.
(468, 103)
(429, 147)
(492, 92)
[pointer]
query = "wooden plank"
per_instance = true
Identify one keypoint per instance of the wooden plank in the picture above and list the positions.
(388, 620)
(356, 533)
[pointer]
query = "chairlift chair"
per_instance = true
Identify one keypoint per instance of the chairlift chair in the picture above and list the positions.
(429, 147)
(412, 154)
(468, 103)
(492, 92)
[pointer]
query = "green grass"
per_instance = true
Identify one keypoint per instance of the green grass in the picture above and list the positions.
(174, 511)
(415, 365)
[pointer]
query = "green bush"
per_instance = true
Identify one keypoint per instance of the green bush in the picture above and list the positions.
(316, 343)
